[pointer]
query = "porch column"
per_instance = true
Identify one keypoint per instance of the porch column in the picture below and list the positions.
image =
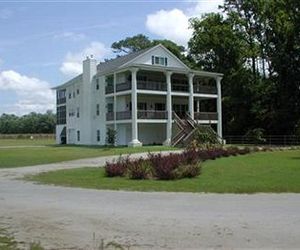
(168, 140)
(134, 142)
(115, 102)
(219, 106)
(191, 96)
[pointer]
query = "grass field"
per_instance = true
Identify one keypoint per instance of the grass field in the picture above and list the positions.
(19, 157)
(258, 172)
(25, 142)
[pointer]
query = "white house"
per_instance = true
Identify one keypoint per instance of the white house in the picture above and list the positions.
(137, 95)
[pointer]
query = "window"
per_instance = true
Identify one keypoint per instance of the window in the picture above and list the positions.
(97, 109)
(70, 95)
(61, 96)
(77, 91)
(61, 115)
(98, 135)
(78, 135)
(77, 113)
(159, 60)
(71, 113)
(110, 107)
(97, 84)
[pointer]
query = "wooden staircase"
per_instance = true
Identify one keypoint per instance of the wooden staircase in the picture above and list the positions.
(187, 127)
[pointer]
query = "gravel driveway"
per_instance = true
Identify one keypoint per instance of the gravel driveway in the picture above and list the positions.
(74, 218)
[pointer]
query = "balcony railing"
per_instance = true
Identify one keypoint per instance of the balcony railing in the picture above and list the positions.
(151, 85)
(210, 116)
(123, 86)
(109, 89)
(157, 114)
(205, 89)
(180, 87)
(152, 114)
(110, 116)
(123, 115)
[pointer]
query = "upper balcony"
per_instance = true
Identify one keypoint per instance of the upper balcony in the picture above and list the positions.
(159, 115)
(161, 86)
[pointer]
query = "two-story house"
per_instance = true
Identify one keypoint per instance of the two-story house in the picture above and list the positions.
(136, 95)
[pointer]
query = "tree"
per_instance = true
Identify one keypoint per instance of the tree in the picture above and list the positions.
(30, 123)
(131, 44)
(111, 136)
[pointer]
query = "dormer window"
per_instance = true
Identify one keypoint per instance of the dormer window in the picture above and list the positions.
(159, 60)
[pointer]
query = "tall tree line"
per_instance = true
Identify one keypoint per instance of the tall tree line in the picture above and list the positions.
(32, 123)
(256, 45)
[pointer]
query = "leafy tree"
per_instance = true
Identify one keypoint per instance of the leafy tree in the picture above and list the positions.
(30, 123)
(131, 44)
(111, 136)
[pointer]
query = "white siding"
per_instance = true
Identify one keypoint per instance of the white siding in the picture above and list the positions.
(159, 51)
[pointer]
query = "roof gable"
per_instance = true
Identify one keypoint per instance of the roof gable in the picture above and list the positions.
(158, 50)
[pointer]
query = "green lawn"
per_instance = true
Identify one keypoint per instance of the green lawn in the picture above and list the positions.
(18, 157)
(258, 172)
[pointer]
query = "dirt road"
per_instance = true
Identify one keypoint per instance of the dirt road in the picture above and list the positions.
(74, 218)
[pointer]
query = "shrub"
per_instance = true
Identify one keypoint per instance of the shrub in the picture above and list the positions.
(111, 136)
(190, 156)
(117, 168)
(139, 169)
(163, 166)
(187, 171)
(233, 151)
(244, 151)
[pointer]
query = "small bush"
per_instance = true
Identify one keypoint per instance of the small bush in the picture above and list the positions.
(139, 169)
(117, 168)
(163, 166)
(187, 171)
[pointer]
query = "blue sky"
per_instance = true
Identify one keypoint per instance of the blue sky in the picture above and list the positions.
(43, 43)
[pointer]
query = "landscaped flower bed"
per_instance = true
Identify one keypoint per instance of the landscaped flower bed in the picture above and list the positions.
(172, 166)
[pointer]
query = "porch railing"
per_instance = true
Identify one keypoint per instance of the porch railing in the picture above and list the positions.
(205, 89)
(152, 114)
(110, 116)
(211, 116)
(151, 85)
(180, 87)
(123, 115)
(109, 89)
(157, 114)
(123, 86)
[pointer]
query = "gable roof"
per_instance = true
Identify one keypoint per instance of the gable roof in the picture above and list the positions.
(126, 60)
(165, 49)
(70, 82)
(119, 61)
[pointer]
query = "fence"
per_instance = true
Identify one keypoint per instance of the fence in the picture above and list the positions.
(27, 136)
(280, 140)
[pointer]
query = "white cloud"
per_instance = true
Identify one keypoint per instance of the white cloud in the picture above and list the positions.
(70, 36)
(32, 93)
(72, 64)
(174, 24)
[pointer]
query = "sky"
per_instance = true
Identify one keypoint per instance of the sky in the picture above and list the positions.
(43, 43)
